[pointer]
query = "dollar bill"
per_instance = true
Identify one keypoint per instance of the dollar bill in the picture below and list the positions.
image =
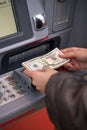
(49, 60)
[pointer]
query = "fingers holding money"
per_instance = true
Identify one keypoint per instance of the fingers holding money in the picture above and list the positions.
(68, 53)
(28, 73)
(40, 77)
(38, 72)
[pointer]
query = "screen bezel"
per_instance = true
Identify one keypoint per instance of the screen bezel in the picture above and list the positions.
(23, 24)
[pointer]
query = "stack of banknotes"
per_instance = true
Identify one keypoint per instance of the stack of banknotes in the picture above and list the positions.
(49, 60)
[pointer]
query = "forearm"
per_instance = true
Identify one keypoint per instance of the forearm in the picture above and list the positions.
(65, 101)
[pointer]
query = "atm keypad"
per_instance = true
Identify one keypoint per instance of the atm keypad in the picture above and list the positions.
(9, 90)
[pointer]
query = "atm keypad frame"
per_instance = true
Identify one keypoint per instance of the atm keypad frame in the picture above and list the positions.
(17, 99)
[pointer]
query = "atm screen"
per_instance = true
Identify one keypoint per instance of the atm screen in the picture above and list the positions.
(15, 23)
(7, 18)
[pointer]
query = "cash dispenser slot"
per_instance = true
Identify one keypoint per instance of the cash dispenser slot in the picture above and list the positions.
(13, 59)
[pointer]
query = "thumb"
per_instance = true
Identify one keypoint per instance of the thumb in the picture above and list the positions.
(28, 73)
(67, 55)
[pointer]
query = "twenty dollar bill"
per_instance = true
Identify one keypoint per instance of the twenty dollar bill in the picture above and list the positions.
(49, 60)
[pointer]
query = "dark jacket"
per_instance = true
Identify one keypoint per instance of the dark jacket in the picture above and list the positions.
(66, 101)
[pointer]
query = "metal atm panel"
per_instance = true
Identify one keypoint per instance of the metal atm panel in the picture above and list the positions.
(37, 34)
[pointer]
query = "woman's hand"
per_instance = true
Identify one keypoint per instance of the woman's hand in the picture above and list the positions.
(40, 78)
(78, 58)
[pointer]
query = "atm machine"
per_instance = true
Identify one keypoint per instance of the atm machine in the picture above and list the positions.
(29, 28)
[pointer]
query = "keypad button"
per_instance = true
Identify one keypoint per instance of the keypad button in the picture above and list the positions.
(22, 91)
(12, 96)
(8, 91)
(17, 87)
(9, 78)
(5, 98)
(12, 83)
(3, 86)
